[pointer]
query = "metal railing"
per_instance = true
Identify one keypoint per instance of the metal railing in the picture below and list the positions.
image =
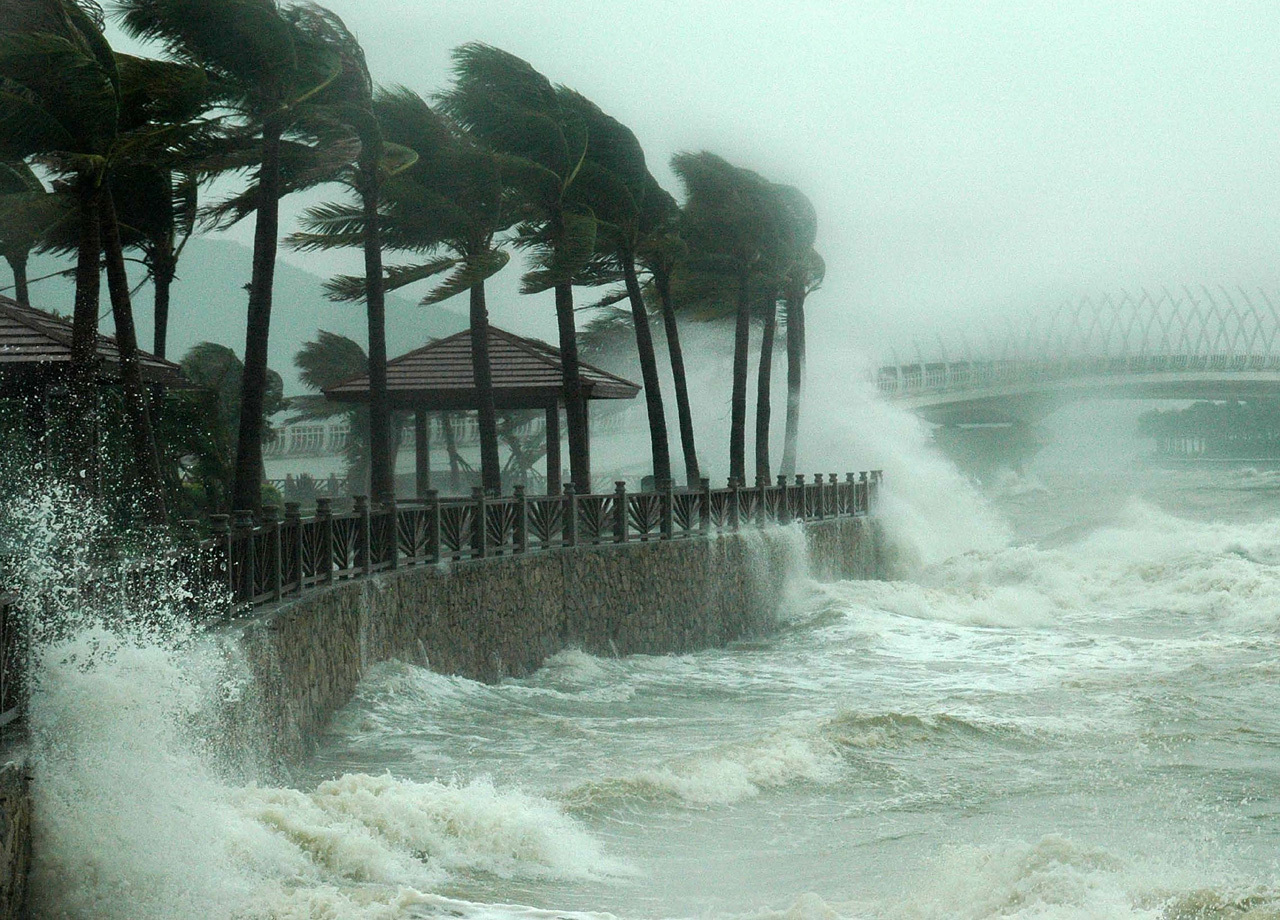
(262, 561)
(958, 376)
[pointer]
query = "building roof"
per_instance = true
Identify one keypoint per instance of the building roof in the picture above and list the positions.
(527, 374)
(35, 343)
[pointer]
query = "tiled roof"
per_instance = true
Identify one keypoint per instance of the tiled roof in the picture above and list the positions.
(32, 340)
(525, 372)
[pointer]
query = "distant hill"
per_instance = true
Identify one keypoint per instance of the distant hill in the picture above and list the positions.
(209, 303)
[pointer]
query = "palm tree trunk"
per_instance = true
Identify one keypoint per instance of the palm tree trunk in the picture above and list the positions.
(246, 489)
(482, 372)
(381, 474)
(795, 379)
(146, 458)
(162, 275)
(648, 373)
(575, 407)
(83, 452)
(662, 281)
(764, 410)
(738, 404)
(18, 263)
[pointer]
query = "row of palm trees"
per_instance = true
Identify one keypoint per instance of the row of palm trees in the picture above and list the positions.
(504, 159)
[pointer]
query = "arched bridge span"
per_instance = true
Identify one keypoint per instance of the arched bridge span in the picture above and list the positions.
(1205, 344)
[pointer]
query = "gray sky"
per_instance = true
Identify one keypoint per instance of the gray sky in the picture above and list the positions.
(964, 158)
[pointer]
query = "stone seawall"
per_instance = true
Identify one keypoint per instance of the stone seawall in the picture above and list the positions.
(502, 617)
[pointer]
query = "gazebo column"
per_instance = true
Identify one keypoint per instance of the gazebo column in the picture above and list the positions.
(553, 449)
(421, 452)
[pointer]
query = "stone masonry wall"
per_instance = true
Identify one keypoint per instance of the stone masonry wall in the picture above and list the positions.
(503, 617)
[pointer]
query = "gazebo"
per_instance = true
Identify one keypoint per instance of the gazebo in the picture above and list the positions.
(35, 355)
(527, 374)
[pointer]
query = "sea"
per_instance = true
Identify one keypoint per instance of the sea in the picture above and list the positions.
(1066, 704)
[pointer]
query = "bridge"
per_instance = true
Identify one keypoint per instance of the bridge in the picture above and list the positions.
(1190, 345)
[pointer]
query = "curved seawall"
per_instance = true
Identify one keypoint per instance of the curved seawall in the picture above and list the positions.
(500, 617)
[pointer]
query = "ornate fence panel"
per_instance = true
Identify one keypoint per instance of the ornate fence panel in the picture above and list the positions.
(546, 521)
(644, 514)
(595, 519)
(500, 526)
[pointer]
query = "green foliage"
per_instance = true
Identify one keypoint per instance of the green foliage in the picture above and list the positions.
(199, 424)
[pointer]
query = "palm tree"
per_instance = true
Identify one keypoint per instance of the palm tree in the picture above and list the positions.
(110, 111)
(628, 206)
(805, 272)
(764, 381)
(728, 226)
(661, 252)
(350, 99)
(515, 110)
(60, 105)
(265, 63)
(157, 208)
(447, 205)
(27, 211)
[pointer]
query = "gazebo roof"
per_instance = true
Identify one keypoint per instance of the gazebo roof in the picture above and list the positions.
(527, 374)
(34, 343)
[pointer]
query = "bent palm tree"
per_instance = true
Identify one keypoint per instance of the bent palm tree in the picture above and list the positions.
(804, 274)
(265, 62)
(628, 205)
(448, 206)
(728, 226)
(515, 110)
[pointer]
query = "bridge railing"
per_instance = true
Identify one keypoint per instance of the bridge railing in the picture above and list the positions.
(920, 379)
(266, 560)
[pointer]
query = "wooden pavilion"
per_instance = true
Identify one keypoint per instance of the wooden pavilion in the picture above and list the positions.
(35, 356)
(527, 374)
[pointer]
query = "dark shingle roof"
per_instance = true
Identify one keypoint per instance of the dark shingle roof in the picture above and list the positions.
(32, 341)
(526, 373)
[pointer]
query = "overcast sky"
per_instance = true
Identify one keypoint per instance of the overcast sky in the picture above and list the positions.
(964, 158)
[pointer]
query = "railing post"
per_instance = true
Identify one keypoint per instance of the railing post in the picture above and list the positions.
(432, 499)
(834, 481)
(851, 495)
(271, 533)
(293, 517)
(479, 524)
(324, 565)
(570, 515)
(873, 493)
(784, 501)
(704, 513)
(666, 506)
(364, 554)
(620, 511)
(820, 496)
(393, 532)
(801, 511)
(243, 527)
(220, 525)
(521, 527)
(734, 514)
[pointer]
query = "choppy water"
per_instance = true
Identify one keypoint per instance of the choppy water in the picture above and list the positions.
(1078, 719)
